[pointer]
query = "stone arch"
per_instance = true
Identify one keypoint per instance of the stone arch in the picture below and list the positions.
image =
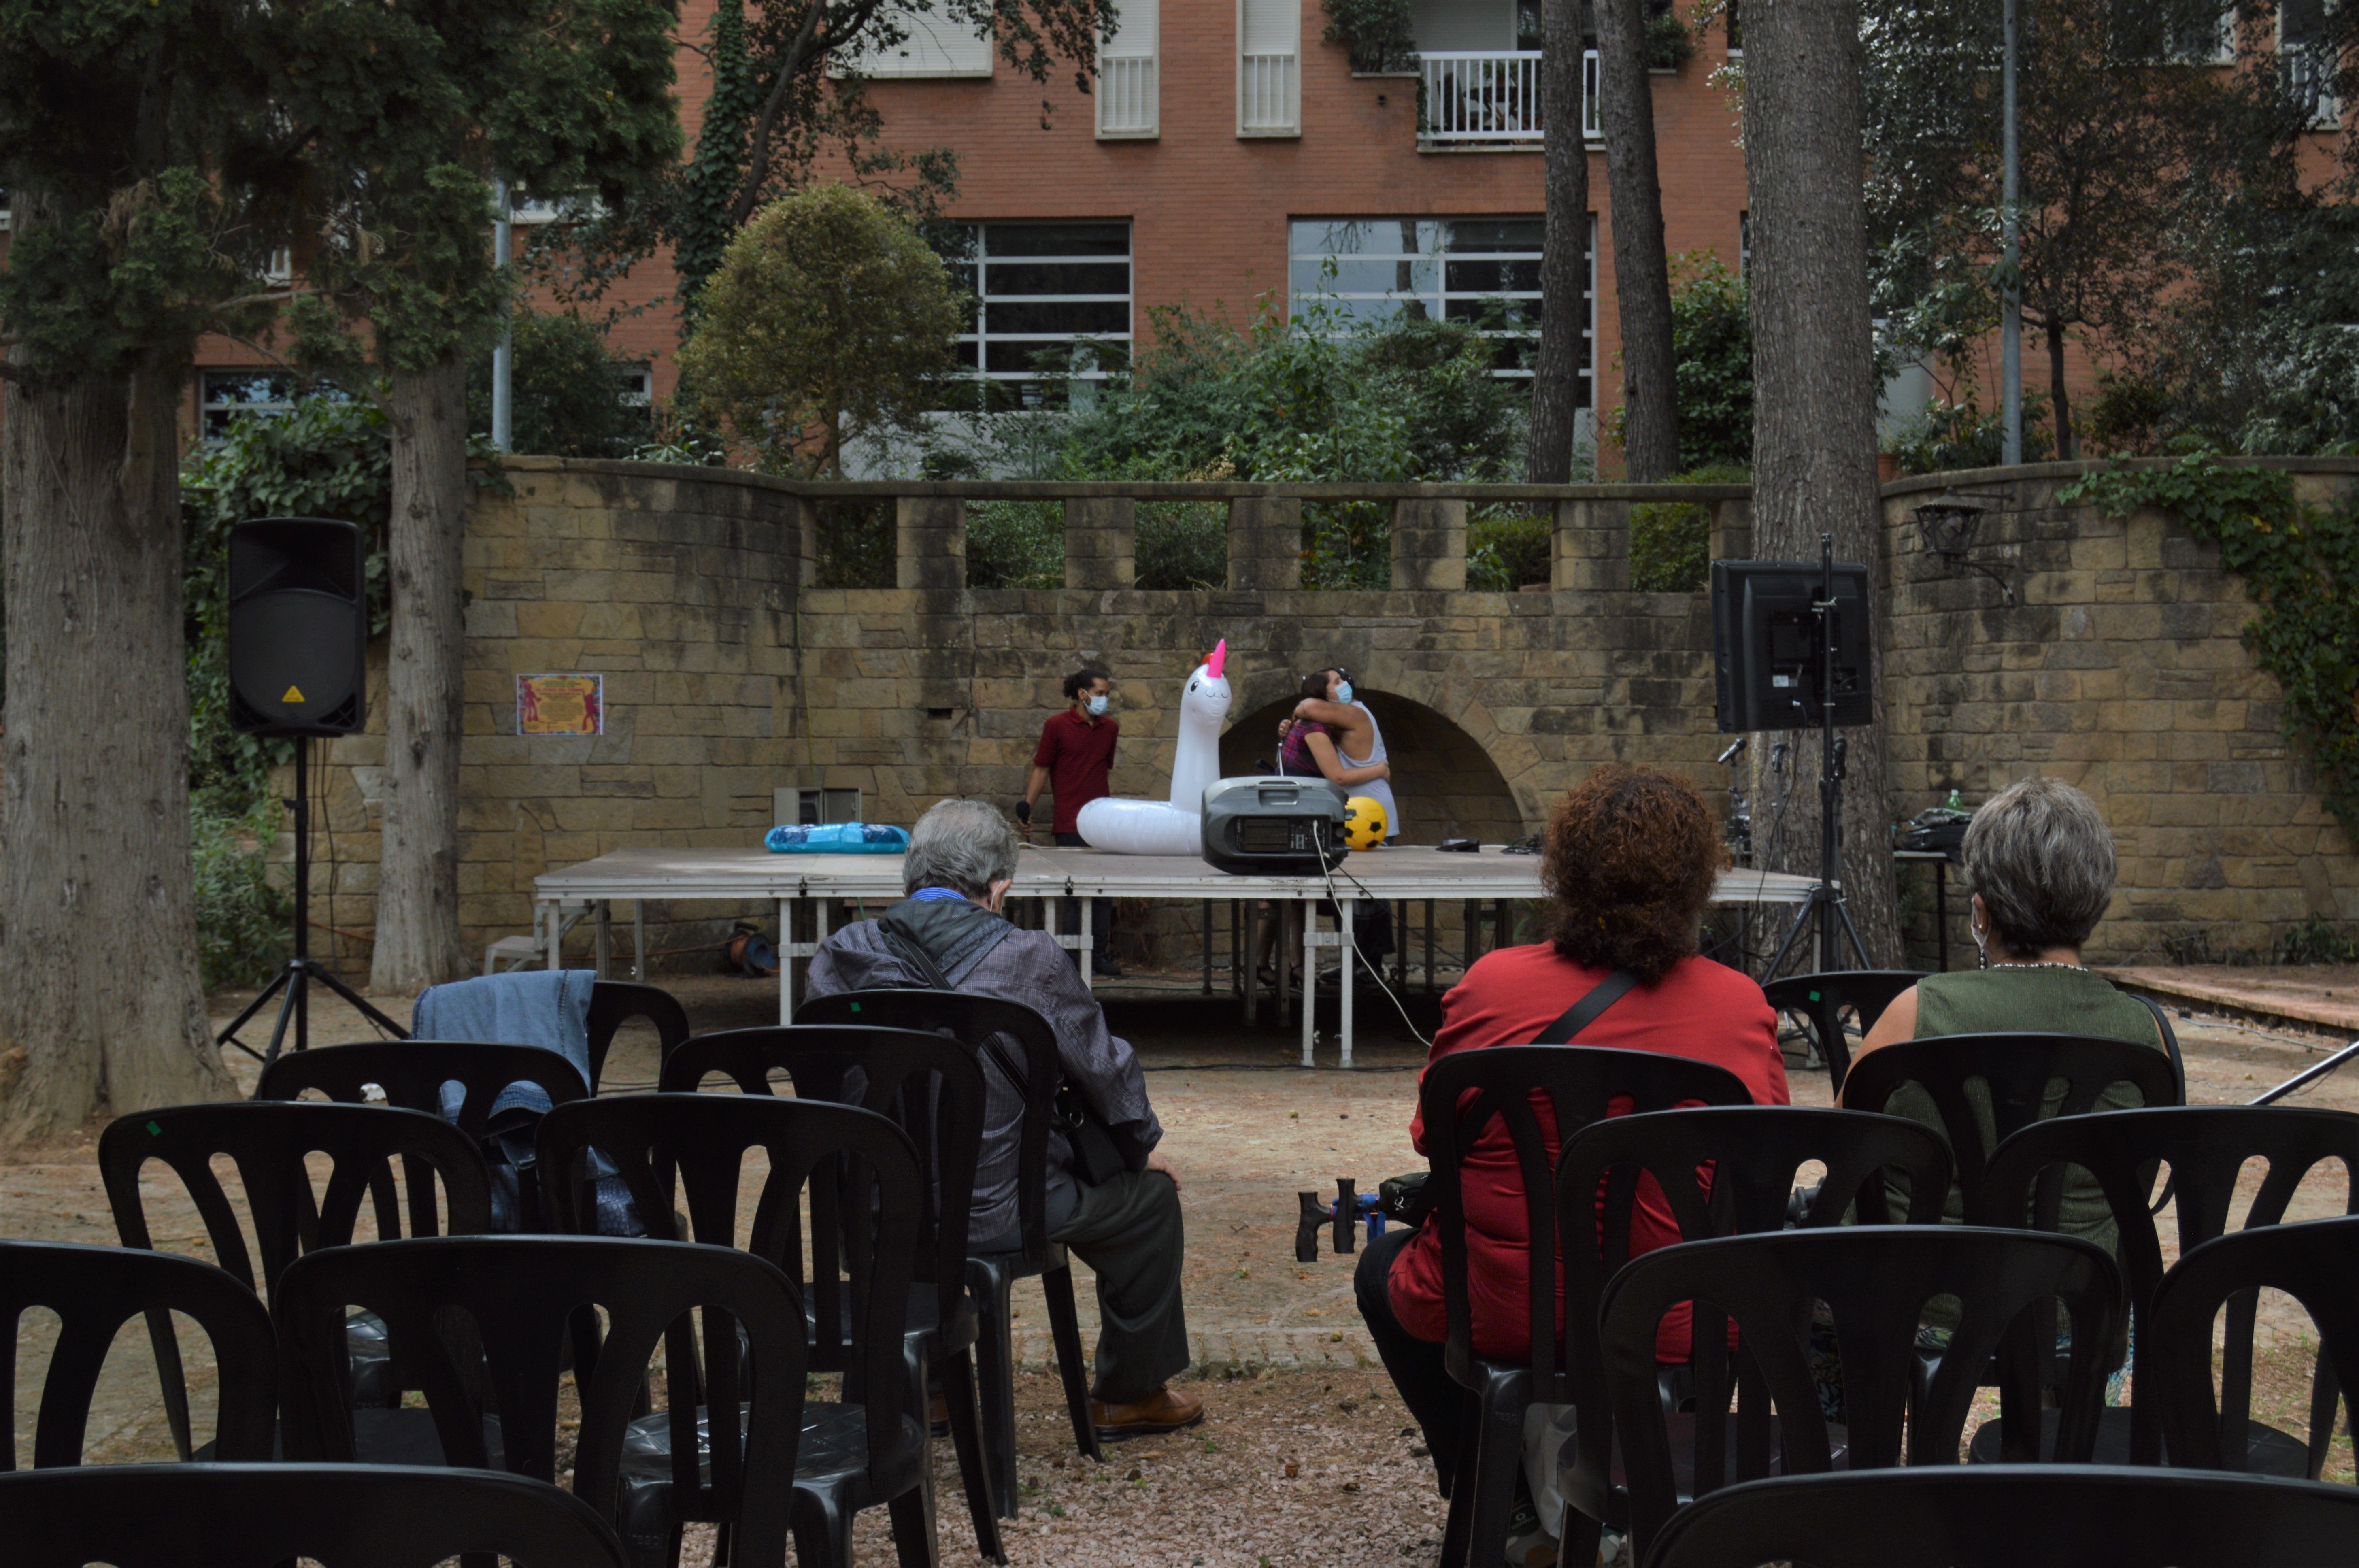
(1446, 781)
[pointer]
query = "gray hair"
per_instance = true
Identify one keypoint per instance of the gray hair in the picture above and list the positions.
(964, 845)
(2041, 856)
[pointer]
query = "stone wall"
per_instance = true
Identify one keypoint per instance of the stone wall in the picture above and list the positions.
(727, 676)
(2120, 669)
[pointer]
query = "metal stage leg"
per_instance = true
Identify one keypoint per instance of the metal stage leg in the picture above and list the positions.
(639, 939)
(1310, 979)
(1208, 947)
(1236, 967)
(1428, 947)
(1282, 956)
(1252, 921)
(786, 962)
(1082, 953)
(1345, 932)
(548, 925)
(605, 930)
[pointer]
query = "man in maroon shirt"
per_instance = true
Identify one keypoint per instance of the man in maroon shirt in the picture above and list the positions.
(1075, 761)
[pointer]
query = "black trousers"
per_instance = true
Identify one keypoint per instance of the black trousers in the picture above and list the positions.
(1128, 1231)
(1433, 1395)
(1069, 911)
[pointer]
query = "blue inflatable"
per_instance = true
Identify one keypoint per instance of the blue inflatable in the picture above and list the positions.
(837, 838)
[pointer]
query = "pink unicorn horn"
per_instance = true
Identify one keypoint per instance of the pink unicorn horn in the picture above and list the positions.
(1220, 656)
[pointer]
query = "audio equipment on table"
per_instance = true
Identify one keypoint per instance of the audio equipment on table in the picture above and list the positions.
(1274, 824)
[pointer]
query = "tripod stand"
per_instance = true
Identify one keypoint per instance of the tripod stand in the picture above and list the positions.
(1824, 904)
(291, 985)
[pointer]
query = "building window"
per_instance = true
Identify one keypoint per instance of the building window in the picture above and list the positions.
(4, 209)
(222, 394)
(1049, 309)
(636, 387)
(1128, 75)
(930, 43)
(1269, 68)
(1483, 271)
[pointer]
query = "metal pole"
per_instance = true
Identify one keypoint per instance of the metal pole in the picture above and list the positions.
(504, 352)
(2010, 341)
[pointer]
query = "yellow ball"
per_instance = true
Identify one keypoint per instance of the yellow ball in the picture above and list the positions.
(1364, 824)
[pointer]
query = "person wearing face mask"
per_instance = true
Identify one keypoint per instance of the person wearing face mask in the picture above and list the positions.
(1359, 743)
(1074, 762)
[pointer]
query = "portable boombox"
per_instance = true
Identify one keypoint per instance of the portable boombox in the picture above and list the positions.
(1266, 823)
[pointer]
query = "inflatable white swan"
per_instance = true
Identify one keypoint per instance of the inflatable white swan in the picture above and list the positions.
(1173, 826)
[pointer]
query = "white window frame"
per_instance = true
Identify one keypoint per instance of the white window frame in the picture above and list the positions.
(1438, 299)
(912, 62)
(981, 336)
(636, 386)
(1129, 106)
(1269, 82)
(2326, 108)
(207, 404)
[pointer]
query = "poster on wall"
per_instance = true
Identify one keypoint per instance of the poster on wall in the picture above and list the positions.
(561, 704)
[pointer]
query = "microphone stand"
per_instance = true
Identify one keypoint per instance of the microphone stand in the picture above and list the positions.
(1825, 905)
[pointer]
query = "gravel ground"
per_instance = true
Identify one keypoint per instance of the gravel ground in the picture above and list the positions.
(1285, 1368)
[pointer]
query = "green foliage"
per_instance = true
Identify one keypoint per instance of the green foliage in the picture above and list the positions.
(1183, 545)
(829, 320)
(1712, 343)
(2300, 565)
(1670, 541)
(564, 391)
(2316, 939)
(1380, 34)
(243, 918)
(1945, 436)
(1015, 544)
(329, 458)
(1508, 548)
(1670, 42)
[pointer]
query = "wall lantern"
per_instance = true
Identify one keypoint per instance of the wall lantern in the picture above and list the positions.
(1948, 523)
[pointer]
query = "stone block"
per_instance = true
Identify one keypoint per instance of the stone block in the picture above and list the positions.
(1264, 543)
(929, 543)
(1100, 542)
(1430, 546)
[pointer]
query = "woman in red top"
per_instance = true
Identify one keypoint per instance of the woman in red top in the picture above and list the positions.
(1630, 860)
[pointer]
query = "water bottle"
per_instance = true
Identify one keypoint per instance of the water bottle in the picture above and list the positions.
(1953, 803)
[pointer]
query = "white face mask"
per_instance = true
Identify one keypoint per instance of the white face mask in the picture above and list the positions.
(1097, 705)
(1343, 691)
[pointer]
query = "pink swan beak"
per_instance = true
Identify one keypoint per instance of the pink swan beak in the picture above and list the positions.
(1220, 656)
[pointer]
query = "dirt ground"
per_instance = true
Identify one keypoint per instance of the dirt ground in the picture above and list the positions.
(1285, 1367)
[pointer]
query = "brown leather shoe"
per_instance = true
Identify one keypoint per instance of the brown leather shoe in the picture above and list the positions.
(1165, 1409)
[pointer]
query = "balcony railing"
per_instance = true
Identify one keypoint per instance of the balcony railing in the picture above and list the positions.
(1126, 94)
(1474, 98)
(1268, 95)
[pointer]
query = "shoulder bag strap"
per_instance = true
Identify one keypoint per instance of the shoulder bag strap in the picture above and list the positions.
(1583, 1013)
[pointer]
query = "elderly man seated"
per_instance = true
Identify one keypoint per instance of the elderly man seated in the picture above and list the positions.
(960, 865)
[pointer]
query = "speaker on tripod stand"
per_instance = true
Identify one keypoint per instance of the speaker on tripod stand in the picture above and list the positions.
(1789, 642)
(298, 668)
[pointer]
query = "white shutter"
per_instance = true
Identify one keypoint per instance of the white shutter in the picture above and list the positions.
(1269, 68)
(1127, 73)
(935, 45)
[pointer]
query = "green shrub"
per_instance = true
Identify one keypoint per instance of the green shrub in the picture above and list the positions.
(564, 388)
(1183, 545)
(1670, 44)
(1943, 437)
(1670, 541)
(1380, 34)
(858, 545)
(1508, 548)
(2316, 939)
(1015, 544)
(244, 918)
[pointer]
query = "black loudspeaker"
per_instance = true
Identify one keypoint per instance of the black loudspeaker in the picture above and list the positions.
(298, 627)
(1765, 646)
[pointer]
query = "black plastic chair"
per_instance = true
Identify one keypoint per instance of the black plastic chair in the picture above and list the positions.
(860, 1175)
(1755, 1153)
(258, 1516)
(1462, 1094)
(2314, 1261)
(410, 1073)
(1028, 1038)
(1824, 998)
(2206, 1147)
(269, 1142)
(2023, 1078)
(2025, 1516)
(490, 1378)
(95, 1290)
(932, 1088)
(614, 1003)
(1875, 1281)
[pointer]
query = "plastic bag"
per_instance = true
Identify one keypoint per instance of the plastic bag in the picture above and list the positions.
(837, 838)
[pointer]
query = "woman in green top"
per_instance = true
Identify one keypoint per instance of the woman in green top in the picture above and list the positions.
(2040, 862)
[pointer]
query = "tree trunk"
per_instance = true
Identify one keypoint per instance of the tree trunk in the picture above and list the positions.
(1814, 409)
(417, 871)
(1642, 278)
(2057, 394)
(102, 1009)
(1564, 251)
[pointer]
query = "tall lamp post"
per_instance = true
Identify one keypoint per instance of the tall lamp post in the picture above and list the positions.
(2010, 342)
(503, 352)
